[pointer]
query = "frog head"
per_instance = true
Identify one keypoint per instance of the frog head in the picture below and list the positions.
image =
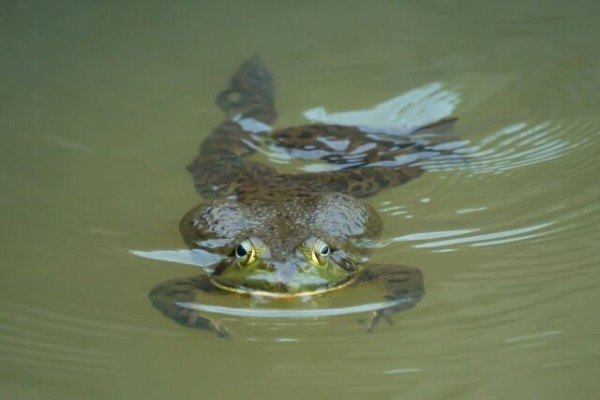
(301, 246)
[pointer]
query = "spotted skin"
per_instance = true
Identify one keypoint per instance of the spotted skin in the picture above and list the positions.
(247, 199)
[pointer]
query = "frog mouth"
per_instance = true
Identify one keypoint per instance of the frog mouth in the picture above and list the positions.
(283, 291)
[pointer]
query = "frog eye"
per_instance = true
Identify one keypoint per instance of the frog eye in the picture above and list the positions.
(320, 253)
(241, 251)
(245, 253)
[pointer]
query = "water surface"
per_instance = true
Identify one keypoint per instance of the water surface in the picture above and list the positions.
(102, 105)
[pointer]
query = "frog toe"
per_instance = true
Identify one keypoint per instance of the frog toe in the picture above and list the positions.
(376, 316)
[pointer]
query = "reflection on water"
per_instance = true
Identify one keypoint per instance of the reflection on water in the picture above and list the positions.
(488, 239)
(398, 116)
(291, 313)
(197, 257)
(102, 106)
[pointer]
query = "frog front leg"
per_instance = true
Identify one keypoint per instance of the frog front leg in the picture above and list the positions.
(402, 284)
(167, 296)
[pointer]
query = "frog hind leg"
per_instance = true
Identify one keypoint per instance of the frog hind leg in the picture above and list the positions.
(344, 144)
(370, 163)
(401, 284)
(167, 296)
(222, 162)
(250, 93)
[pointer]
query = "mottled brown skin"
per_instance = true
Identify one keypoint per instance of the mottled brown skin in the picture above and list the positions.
(287, 235)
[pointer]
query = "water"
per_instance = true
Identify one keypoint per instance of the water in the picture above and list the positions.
(102, 106)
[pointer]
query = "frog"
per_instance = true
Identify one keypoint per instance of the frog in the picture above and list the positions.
(283, 235)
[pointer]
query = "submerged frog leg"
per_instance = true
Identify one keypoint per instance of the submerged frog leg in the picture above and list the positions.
(340, 144)
(250, 93)
(166, 295)
(401, 283)
(222, 162)
(359, 183)
(369, 163)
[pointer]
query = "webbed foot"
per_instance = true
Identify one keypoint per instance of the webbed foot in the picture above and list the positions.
(195, 320)
(192, 319)
(377, 315)
(403, 285)
(168, 296)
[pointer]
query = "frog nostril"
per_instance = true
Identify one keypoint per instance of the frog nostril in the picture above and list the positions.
(347, 265)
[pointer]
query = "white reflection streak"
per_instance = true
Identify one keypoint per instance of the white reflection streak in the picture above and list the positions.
(531, 337)
(402, 371)
(509, 240)
(489, 236)
(470, 210)
(196, 257)
(251, 124)
(291, 313)
(508, 130)
(536, 130)
(398, 116)
(434, 235)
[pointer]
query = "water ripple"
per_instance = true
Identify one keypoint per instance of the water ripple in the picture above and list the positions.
(517, 146)
(54, 342)
(428, 238)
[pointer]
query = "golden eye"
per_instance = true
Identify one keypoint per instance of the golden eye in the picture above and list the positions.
(245, 253)
(320, 253)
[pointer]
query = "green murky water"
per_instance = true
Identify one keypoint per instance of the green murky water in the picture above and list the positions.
(101, 107)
